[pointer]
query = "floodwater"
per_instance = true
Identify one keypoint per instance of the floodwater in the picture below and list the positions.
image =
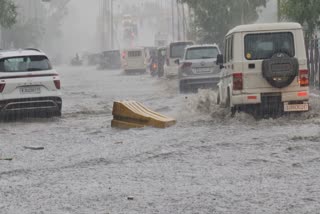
(207, 163)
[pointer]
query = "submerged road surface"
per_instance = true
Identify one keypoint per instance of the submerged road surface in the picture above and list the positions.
(207, 163)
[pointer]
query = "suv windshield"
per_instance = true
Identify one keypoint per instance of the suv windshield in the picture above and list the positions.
(177, 50)
(202, 53)
(263, 46)
(24, 64)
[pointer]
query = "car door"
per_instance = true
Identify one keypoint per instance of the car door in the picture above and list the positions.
(227, 70)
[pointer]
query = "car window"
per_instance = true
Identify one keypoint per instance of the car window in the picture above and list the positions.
(134, 53)
(202, 53)
(177, 50)
(24, 64)
(263, 46)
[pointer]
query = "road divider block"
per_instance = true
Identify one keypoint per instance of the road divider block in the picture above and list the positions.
(131, 114)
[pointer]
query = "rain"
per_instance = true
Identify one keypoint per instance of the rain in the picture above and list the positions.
(159, 106)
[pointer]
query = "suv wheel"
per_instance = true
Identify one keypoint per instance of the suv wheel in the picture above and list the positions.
(218, 99)
(228, 105)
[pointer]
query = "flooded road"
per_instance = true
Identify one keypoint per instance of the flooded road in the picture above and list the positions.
(207, 163)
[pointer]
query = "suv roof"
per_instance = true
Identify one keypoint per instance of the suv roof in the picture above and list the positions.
(21, 52)
(201, 46)
(265, 27)
(180, 42)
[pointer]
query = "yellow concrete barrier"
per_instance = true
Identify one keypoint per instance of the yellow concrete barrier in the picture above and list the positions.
(131, 114)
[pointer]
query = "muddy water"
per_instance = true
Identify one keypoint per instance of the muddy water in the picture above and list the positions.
(207, 163)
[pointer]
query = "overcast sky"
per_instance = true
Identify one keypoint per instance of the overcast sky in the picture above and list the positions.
(80, 31)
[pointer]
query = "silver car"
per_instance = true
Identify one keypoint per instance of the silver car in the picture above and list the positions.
(198, 68)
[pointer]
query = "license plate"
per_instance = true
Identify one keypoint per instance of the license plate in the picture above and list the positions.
(202, 70)
(296, 107)
(30, 90)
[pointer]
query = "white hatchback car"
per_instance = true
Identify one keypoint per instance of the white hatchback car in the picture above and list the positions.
(265, 69)
(28, 84)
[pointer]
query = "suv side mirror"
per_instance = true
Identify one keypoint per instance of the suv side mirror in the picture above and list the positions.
(177, 61)
(219, 59)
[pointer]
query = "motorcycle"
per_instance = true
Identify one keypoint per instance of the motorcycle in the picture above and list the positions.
(154, 69)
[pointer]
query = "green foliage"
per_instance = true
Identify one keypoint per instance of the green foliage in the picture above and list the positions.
(8, 13)
(214, 18)
(34, 28)
(306, 12)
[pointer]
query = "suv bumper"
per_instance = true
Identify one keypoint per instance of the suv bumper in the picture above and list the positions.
(30, 105)
(299, 101)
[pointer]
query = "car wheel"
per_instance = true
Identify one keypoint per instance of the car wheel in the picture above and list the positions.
(182, 88)
(218, 99)
(229, 107)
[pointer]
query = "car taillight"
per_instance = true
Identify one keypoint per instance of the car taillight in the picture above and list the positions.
(237, 81)
(2, 85)
(186, 65)
(304, 78)
(57, 83)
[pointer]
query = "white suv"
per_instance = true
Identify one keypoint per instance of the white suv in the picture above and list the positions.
(264, 69)
(198, 68)
(28, 84)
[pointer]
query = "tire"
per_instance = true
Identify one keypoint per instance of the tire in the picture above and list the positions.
(182, 88)
(218, 99)
(229, 107)
(280, 70)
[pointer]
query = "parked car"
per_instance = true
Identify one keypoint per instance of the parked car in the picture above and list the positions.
(134, 61)
(198, 68)
(264, 69)
(28, 84)
(110, 60)
(175, 51)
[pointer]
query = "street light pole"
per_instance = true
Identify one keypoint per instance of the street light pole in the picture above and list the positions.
(279, 10)
(172, 19)
(111, 23)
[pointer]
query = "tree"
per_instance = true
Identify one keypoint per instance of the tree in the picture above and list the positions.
(8, 13)
(305, 12)
(214, 18)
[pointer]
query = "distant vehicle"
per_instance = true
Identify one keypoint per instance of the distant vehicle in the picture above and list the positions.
(93, 59)
(76, 61)
(264, 69)
(151, 60)
(134, 61)
(175, 51)
(28, 84)
(161, 55)
(110, 60)
(198, 68)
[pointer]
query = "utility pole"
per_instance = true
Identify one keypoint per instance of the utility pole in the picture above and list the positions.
(279, 10)
(111, 24)
(173, 20)
(179, 21)
(184, 25)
